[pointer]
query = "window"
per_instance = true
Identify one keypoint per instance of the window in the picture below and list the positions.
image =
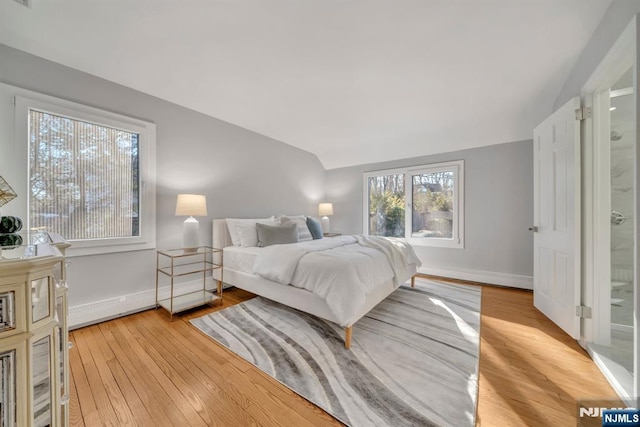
(386, 205)
(424, 204)
(88, 175)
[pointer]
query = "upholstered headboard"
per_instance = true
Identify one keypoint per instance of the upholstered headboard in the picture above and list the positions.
(221, 237)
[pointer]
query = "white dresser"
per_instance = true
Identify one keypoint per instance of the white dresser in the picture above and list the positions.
(34, 366)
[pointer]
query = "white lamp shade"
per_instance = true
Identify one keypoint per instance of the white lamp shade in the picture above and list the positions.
(325, 209)
(191, 205)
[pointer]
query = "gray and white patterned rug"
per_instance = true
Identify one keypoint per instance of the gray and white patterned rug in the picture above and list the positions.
(413, 358)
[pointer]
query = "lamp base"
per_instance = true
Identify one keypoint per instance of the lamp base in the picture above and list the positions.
(326, 225)
(190, 234)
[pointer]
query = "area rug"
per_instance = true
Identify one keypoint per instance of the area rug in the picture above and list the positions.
(413, 358)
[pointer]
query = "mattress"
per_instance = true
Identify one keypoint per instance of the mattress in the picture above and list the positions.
(240, 259)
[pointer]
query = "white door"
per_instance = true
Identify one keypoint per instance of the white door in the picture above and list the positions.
(556, 242)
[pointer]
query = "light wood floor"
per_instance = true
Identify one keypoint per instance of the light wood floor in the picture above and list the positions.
(144, 370)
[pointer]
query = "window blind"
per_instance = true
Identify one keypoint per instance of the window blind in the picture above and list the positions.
(84, 178)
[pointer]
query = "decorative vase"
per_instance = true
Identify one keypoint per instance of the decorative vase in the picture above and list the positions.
(10, 224)
(10, 240)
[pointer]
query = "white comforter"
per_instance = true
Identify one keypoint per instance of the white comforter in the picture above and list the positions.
(342, 270)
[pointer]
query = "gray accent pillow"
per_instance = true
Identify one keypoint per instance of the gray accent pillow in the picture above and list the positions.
(277, 234)
(315, 228)
(304, 234)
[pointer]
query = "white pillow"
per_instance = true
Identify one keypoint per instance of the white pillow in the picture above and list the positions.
(243, 231)
(304, 235)
(248, 233)
(281, 216)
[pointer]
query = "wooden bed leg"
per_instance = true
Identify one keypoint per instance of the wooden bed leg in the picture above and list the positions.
(413, 281)
(347, 337)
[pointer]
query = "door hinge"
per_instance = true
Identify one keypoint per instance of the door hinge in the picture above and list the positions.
(583, 113)
(583, 311)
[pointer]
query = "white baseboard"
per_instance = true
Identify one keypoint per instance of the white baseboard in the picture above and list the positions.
(99, 311)
(490, 277)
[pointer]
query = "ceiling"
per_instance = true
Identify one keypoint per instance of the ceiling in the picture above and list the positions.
(352, 81)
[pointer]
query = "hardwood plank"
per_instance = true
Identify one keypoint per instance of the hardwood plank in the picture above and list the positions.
(159, 405)
(531, 372)
(190, 379)
(102, 408)
(117, 399)
(234, 384)
(221, 354)
(76, 417)
(127, 400)
(270, 387)
(138, 346)
(500, 411)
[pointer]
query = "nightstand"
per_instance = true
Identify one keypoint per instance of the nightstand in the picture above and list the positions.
(331, 234)
(205, 261)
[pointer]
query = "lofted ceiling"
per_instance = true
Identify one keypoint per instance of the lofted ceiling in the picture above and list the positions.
(352, 81)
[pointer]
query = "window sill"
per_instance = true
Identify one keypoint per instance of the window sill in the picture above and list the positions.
(84, 248)
(435, 242)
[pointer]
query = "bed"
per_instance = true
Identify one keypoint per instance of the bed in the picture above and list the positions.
(239, 271)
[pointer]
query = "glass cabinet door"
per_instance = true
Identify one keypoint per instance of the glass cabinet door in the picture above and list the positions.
(40, 299)
(8, 388)
(41, 377)
(7, 311)
(62, 348)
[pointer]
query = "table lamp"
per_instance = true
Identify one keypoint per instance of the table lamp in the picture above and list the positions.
(191, 205)
(324, 210)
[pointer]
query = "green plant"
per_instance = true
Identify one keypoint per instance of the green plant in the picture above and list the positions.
(389, 206)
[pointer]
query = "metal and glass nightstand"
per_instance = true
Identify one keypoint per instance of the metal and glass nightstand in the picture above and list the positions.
(173, 263)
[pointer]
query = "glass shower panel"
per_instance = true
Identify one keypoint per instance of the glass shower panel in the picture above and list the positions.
(622, 152)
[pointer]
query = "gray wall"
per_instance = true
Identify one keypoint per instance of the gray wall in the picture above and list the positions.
(498, 207)
(242, 173)
(613, 23)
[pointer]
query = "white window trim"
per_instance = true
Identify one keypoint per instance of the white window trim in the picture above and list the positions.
(457, 241)
(146, 158)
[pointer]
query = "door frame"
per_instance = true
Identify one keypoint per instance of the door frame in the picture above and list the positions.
(596, 192)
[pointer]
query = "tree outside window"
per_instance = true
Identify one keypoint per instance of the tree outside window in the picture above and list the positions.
(424, 204)
(387, 205)
(433, 205)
